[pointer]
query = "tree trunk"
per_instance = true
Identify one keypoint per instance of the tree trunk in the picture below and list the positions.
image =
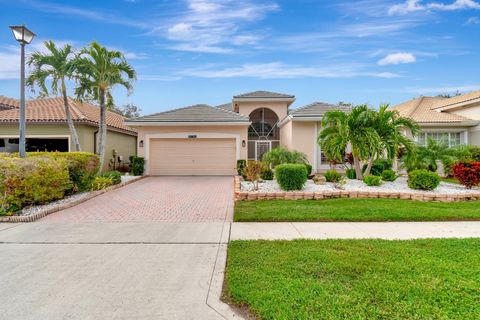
(102, 130)
(71, 126)
(369, 166)
(358, 169)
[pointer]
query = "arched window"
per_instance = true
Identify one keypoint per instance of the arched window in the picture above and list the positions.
(263, 133)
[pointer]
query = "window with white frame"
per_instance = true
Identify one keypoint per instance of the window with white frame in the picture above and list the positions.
(451, 139)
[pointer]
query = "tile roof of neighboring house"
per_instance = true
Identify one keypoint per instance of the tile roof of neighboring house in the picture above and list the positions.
(264, 94)
(317, 109)
(226, 106)
(463, 98)
(51, 110)
(422, 110)
(195, 113)
(8, 103)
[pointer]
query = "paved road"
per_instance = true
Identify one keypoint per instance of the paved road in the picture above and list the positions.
(59, 269)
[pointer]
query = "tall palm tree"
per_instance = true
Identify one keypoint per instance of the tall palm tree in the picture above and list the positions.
(354, 129)
(58, 66)
(389, 126)
(99, 71)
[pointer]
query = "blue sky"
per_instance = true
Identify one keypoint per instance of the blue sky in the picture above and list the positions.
(206, 51)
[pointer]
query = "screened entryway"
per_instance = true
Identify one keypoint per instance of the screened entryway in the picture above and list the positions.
(263, 133)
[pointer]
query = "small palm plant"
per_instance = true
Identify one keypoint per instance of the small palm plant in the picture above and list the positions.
(99, 71)
(58, 66)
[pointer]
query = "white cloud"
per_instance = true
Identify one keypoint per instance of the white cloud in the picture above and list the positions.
(278, 70)
(157, 78)
(410, 6)
(397, 58)
(473, 20)
(214, 26)
(444, 89)
(406, 7)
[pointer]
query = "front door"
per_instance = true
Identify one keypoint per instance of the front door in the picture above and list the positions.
(262, 147)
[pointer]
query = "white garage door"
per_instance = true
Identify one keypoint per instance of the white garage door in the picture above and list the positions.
(192, 157)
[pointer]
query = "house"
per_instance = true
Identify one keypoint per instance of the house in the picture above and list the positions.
(207, 140)
(453, 121)
(47, 129)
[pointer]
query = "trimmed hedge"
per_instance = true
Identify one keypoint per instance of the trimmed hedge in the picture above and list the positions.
(138, 165)
(32, 181)
(372, 181)
(101, 182)
(291, 176)
(115, 176)
(389, 175)
(82, 167)
(423, 179)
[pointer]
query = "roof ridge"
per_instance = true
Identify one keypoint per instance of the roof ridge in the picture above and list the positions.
(73, 104)
(230, 112)
(411, 112)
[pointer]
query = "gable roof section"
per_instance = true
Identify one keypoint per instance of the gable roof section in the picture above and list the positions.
(51, 110)
(422, 110)
(196, 113)
(317, 109)
(458, 101)
(264, 95)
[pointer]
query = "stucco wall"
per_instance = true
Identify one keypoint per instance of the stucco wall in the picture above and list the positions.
(124, 144)
(286, 135)
(474, 136)
(303, 138)
(472, 112)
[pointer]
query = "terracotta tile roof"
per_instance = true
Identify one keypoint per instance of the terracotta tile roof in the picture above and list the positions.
(422, 111)
(52, 110)
(264, 94)
(7, 103)
(464, 98)
(195, 113)
(317, 109)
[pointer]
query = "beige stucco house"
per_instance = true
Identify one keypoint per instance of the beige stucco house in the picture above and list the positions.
(453, 121)
(47, 130)
(206, 140)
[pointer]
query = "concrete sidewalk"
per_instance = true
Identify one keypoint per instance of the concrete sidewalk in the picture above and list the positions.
(353, 230)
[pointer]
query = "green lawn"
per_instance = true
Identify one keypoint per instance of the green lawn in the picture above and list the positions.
(354, 210)
(355, 279)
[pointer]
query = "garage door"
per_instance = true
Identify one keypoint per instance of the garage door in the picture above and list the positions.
(192, 157)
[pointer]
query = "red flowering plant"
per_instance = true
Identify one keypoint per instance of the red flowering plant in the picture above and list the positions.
(467, 173)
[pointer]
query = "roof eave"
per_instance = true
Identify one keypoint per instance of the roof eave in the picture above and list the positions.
(458, 105)
(465, 123)
(289, 100)
(186, 123)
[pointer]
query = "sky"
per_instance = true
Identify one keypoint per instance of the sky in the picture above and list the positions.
(205, 51)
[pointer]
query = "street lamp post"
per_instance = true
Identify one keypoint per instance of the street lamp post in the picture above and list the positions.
(24, 36)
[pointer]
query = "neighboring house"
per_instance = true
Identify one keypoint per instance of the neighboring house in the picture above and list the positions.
(206, 140)
(453, 121)
(47, 128)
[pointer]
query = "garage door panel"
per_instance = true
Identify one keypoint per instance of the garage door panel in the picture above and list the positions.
(192, 156)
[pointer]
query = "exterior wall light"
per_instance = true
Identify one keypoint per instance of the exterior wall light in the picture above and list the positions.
(141, 144)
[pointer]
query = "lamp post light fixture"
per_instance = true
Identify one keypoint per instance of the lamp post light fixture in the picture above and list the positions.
(24, 36)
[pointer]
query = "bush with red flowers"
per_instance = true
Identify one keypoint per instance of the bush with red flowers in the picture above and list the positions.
(467, 173)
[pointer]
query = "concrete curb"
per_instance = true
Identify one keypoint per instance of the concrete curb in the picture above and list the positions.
(46, 212)
(301, 195)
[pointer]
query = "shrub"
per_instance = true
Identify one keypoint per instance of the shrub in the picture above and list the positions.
(423, 179)
(240, 166)
(291, 176)
(115, 176)
(82, 167)
(333, 176)
(138, 165)
(101, 182)
(389, 175)
(309, 169)
(351, 174)
(378, 166)
(31, 181)
(282, 155)
(253, 171)
(467, 173)
(372, 180)
(267, 174)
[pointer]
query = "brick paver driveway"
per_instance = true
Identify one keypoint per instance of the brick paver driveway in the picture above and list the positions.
(157, 199)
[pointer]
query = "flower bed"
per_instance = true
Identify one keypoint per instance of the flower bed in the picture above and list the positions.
(447, 192)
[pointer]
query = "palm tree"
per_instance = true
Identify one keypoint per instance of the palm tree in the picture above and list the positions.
(58, 65)
(389, 126)
(99, 71)
(354, 129)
